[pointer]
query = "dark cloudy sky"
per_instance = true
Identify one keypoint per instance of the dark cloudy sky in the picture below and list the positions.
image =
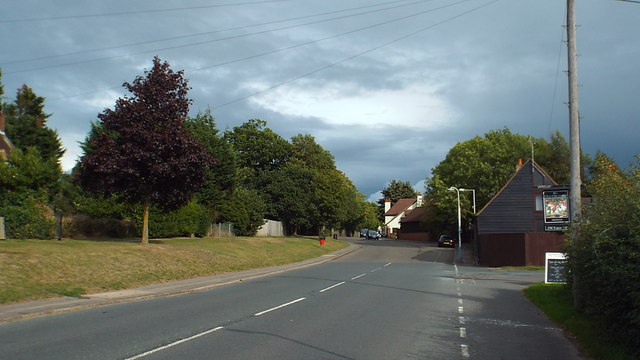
(387, 86)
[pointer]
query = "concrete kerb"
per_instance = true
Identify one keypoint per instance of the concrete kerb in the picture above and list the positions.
(32, 309)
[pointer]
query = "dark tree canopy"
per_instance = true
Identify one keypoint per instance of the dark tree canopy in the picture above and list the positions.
(258, 147)
(141, 149)
(223, 177)
(26, 125)
(395, 191)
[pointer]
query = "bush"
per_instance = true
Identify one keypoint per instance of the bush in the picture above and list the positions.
(28, 218)
(605, 258)
(245, 211)
(192, 219)
(80, 226)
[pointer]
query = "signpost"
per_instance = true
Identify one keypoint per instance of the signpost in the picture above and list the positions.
(556, 210)
(555, 269)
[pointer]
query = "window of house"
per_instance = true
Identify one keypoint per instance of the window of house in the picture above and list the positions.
(539, 206)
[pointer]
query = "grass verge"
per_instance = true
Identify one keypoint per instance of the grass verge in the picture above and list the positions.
(40, 269)
(557, 303)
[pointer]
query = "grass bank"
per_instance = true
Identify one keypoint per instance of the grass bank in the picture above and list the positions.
(40, 269)
(595, 339)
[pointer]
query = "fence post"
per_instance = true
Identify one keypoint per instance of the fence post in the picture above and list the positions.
(2, 234)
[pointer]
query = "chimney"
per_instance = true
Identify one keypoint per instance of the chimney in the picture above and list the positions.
(1, 122)
(387, 205)
(519, 164)
(419, 200)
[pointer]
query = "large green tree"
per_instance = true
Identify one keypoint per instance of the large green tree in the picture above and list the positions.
(141, 149)
(222, 177)
(395, 191)
(290, 197)
(26, 125)
(259, 150)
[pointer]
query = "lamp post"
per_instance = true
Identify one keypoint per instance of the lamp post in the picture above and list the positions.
(474, 197)
(453, 188)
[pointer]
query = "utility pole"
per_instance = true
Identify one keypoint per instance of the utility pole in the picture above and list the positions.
(574, 133)
(574, 116)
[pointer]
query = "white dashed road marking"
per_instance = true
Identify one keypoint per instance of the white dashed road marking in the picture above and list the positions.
(332, 286)
(464, 349)
(278, 307)
(175, 343)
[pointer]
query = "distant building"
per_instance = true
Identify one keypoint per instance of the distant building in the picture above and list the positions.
(393, 214)
(412, 225)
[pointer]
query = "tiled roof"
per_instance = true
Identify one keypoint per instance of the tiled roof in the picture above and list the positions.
(415, 215)
(400, 206)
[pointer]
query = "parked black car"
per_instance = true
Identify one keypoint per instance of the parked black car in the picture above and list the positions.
(372, 234)
(446, 240)
(363, 233)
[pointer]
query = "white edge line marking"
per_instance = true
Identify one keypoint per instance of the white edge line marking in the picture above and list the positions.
(376, 269)
(387, 264)
(460, 301)
(278, 307)
(460, 309)
(359, 276)
(465, 351)
(461, 319)
(463, 332)
(175, 343)
(332, 286)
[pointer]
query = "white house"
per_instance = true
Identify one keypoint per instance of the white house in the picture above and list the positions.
(393, 214)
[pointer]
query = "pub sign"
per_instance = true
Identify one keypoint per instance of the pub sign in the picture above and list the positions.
(556, 210)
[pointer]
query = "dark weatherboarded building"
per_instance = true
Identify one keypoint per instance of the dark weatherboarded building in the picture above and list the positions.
(511, 227)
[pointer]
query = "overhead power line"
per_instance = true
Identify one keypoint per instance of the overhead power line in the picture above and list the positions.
(353, 56)
(88, 51)
(330, 37)
(298, 45)
(134, 12)
(211, 41)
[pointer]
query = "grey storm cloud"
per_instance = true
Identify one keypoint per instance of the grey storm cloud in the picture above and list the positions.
(387, 86)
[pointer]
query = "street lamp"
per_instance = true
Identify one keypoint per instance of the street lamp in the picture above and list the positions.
(453, 188)
(474, 197)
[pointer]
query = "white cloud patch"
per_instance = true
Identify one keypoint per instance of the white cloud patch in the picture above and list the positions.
(416, 106)
(102, 100)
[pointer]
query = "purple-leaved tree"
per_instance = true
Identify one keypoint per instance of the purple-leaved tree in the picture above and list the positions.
(141, 150)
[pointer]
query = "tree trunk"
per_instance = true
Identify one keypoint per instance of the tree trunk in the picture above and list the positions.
(145, 224)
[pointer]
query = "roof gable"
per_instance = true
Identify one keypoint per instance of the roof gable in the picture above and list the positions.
(400, 206)
(529, 166)
(415, 215)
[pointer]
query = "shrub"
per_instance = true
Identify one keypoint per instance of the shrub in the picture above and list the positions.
(605, 258)
(28, 218)
(192, 219)
(245, 211)
(80, 226)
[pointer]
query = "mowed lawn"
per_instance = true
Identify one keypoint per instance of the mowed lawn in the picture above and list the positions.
(40, 269)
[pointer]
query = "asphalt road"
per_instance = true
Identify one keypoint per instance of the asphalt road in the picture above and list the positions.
(388, 300)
